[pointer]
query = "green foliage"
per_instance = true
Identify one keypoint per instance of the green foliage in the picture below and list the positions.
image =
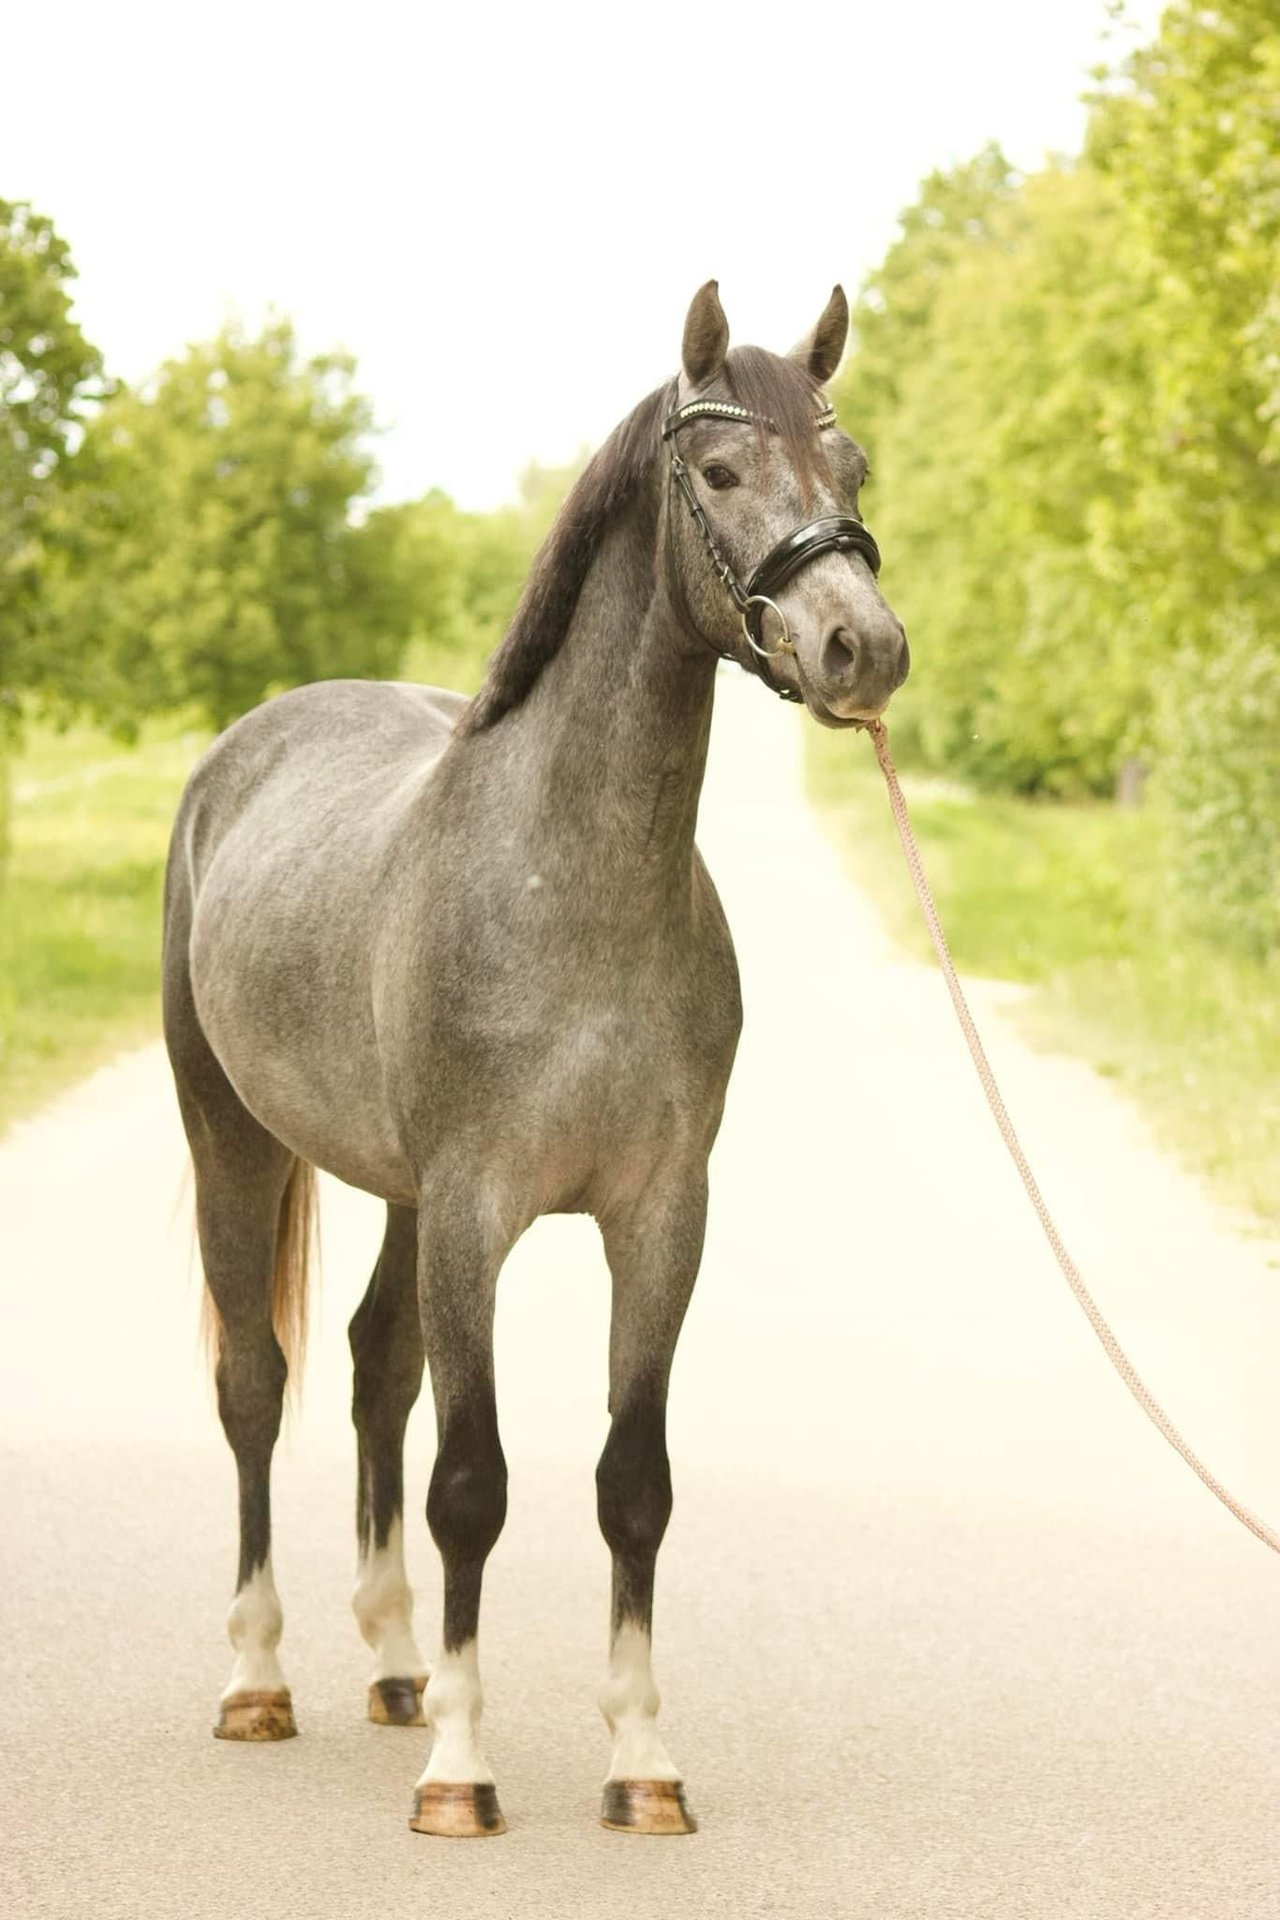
(1069, 387)
(465, 571)
(1192, 148)
(47, 372)
(204, 553)
(79, 943)
(990, 479)
(895, 311)
(1219, 777)
(1071, 899)
(47, 367)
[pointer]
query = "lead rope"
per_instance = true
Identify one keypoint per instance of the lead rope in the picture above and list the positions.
(1093, 1313)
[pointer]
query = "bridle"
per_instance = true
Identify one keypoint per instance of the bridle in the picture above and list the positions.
(834, 532)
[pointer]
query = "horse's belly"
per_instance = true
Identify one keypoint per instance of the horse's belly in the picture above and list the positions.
(301, 1053)
(322, 1126)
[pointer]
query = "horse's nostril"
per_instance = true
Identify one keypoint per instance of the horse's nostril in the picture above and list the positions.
(839, 654)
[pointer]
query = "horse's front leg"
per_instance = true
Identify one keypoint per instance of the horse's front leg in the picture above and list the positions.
(461, 1247)
(653, 1256)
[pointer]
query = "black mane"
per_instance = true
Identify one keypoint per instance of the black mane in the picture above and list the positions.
(777, 390)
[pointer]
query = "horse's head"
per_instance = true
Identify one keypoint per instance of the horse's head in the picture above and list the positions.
(771, 557)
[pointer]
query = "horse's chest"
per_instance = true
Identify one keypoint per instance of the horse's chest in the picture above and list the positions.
(575, 1035)
(616, 1092)
(599, 1087)
(614, 1065)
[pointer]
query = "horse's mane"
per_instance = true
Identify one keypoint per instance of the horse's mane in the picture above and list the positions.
(779, 390)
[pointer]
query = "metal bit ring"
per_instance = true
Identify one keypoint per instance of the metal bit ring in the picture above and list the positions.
(785, 645)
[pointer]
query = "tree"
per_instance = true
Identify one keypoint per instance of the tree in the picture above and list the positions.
(1069, 387)
(996, 349)
(1189, 141)
(893, 315)
(205, 551)
(48, 374)
(467, 570)
(1191, 144)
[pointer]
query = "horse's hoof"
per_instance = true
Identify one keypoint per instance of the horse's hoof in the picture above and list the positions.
(464, 1812)
(256, 1716)
(398, 1702)
(646, 1806)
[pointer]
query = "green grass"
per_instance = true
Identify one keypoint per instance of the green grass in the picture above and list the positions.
(80, 903)
(1070, 900)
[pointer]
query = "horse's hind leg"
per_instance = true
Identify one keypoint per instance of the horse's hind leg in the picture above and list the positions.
(653, 1255)
(386, 1345)
(253, 1203)
(239, 1216)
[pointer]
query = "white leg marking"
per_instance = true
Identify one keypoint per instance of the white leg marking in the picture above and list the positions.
(254, 1626)
(629, 1702)
(383, 1606)
(453, 1704)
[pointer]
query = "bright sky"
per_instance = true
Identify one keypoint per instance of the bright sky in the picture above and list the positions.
(503, 211)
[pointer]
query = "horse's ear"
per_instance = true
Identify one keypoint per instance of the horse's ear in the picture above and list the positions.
(819, 353)
(706, 336)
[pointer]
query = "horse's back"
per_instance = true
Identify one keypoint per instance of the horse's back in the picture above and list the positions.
(313, 759)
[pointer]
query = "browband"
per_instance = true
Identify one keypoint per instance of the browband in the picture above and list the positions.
(726, 410)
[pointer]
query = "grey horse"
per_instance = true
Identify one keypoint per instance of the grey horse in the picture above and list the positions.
(465, 956)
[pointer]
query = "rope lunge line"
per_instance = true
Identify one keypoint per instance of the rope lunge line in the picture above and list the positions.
(1114, 1351)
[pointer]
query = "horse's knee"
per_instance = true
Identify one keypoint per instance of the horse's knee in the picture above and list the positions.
(467, 1499)
(633, 1484)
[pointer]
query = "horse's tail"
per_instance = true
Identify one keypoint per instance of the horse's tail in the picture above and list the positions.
(298, 1231)
(296, 1236)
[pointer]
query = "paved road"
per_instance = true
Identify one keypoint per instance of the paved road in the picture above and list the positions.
(944, 1630)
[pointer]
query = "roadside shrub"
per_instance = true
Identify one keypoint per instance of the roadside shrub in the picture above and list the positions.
(1217, 781)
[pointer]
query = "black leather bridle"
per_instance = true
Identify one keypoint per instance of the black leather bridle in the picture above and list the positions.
(834, 532)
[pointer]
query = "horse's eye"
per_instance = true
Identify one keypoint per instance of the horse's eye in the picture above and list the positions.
(718, 478)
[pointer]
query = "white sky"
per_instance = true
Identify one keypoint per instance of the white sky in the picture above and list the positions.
(503, 211)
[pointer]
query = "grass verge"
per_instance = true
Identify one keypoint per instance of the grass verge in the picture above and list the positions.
(80, 903)
(1069, 900)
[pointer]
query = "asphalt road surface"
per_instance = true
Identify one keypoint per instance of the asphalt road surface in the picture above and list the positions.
(944, 1629)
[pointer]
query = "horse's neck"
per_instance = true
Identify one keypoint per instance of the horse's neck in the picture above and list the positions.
(611, 744)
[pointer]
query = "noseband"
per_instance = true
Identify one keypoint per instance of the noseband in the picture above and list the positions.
(834, 533)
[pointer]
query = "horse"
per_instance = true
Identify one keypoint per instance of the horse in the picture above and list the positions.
(465, 955)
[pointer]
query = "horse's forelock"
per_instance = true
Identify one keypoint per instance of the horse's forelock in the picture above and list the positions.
(780, 390)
